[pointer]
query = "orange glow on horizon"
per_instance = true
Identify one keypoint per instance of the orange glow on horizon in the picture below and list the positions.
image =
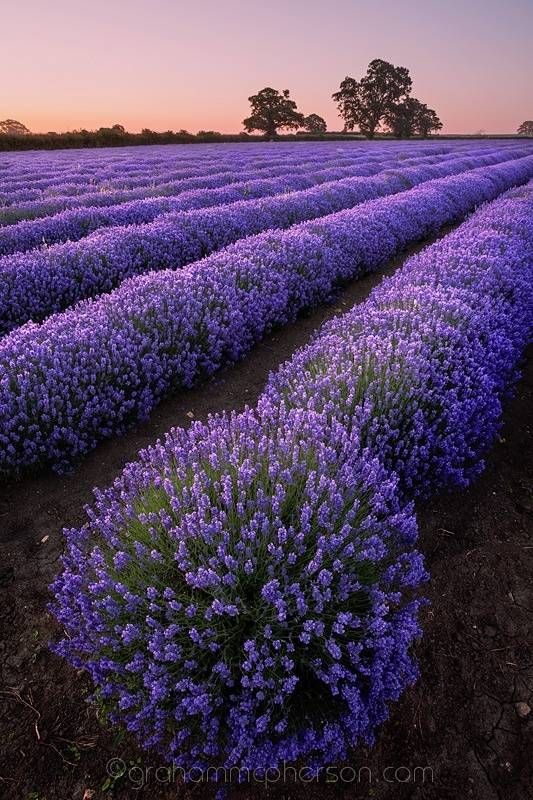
(171, 65)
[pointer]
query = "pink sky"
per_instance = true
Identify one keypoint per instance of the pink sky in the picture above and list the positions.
(179, 64)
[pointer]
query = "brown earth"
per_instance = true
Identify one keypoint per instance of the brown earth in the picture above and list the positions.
(464, 731)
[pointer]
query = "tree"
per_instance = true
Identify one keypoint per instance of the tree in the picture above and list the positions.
(411, 117)
(13, 128)
(272, 110)
(114, 132)
(426, 121)
(525, 129)
(315, 124)
(400, 118)
(364, 103)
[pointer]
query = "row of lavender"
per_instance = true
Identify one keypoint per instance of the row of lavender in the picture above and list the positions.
(74, 224)
(104, 194)
(37, 284)
(34, 187)
(239, 169)
(34, 209)
(111, 162)
(16, 191)
(135, 169)
(32, 165)
(93, 371)
(243, 595)
(103, 166)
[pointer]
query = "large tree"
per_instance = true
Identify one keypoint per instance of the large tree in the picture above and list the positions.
(315, 124)
(410, 117)
(526, 128)
(13, 128)
(272, 110)
(363, 104)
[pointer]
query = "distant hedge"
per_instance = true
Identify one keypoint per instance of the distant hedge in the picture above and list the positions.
(110, 138)
(80, 139)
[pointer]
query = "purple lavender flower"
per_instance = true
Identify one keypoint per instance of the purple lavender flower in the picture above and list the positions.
(96, 369)
(278, 620)
(267, 657)
(37, 284)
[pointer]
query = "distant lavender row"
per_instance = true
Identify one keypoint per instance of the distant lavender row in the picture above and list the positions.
(37, 284)
(32, 165)
(101, 197)
(124, 175)
(431, 353)
(95, 370)
(149, 178)
(74, 224)
(106, 163)
(29, 204)
(38, 208)
(139, 169)
(242, 596)
(21, 166)
(77, 186)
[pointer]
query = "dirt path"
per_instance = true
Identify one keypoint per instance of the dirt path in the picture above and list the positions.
(457, 734)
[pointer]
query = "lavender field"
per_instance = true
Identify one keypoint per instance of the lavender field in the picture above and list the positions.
(250, 589)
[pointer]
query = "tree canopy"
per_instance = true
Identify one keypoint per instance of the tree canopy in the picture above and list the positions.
(411, 117)
(272, 110)
(363, 104)
(313, 123)
(526, 128)
(382, 97)
(12, 127)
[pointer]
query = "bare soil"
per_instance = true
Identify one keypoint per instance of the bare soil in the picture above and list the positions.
(464, 730)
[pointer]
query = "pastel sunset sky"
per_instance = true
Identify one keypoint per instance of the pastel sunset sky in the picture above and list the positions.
(171, 64)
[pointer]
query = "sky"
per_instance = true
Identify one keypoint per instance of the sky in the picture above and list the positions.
(171, 64)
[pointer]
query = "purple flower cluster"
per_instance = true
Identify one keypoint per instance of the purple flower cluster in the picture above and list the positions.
(243, 594)
(223, 168)
(104, 194)
(74, 224)
(35, 285)
(94, 370)
(420, 369)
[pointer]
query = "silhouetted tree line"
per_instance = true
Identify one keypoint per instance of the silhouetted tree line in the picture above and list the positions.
(380, 103)
(116, 136)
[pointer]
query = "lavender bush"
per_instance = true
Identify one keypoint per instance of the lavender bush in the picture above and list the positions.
(248, 586)
(242, 594)
(421, 368)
